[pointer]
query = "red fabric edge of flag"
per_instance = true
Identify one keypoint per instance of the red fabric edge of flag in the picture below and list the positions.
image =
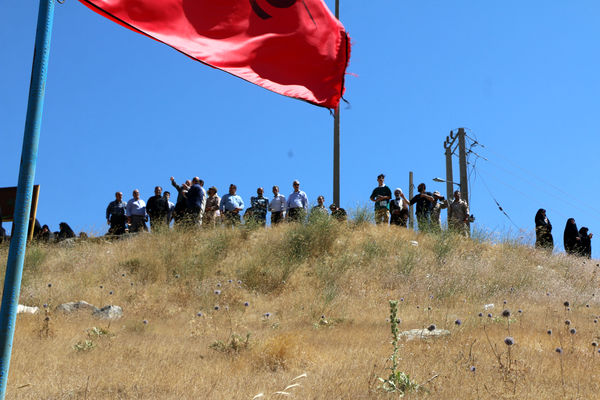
(345, 47)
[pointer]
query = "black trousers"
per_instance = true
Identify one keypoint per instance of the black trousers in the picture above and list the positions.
(117, 225)
(276, 217)
(296, 214)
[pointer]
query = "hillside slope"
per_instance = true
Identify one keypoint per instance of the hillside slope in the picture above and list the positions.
(308, 299)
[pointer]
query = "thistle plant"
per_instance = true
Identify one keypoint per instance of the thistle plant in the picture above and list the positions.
(398, 381)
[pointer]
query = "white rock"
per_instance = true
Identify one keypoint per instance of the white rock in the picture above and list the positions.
(21, 309)
(488, 306)
(109, 312)
(76, 306)
(424, 333)
(414, 242)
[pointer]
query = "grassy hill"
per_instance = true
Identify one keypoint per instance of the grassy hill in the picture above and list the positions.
(308, 299)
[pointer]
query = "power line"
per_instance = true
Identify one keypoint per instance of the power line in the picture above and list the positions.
(496, 201)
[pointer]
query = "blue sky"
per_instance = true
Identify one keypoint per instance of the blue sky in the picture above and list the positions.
(123, 111)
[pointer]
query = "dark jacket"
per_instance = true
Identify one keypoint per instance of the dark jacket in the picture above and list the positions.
(424, 206)
(157, 207)
(194, 197)
(65, 232)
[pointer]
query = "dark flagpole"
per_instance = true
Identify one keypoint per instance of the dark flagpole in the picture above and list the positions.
(336, 139)
(31, 138)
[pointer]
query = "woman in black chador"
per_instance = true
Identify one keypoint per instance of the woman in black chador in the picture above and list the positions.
(571, 237)
(65, 232)
(543, 231)
(585, 245)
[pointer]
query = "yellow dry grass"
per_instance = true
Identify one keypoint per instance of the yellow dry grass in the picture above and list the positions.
(326, 289)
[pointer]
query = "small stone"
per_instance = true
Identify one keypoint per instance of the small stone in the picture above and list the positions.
(109, 312)
(74, 306)
(424, 334)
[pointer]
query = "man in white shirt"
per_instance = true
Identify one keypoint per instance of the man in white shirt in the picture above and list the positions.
(136, 213)
(297, 204)
(277, 206)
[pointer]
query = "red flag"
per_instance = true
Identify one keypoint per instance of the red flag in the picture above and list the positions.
(293, 47)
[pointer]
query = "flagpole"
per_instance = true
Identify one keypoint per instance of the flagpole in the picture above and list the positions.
(336, 139)
(18, 240)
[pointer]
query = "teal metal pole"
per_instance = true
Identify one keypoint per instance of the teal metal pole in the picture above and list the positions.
(31, 138)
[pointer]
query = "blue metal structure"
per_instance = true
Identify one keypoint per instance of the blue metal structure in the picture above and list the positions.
(18, 242)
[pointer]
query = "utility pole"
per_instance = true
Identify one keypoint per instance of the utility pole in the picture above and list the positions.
(462, 160)
(336, 139)
(449, 175)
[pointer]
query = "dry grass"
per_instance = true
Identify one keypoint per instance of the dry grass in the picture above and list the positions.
(326, 289)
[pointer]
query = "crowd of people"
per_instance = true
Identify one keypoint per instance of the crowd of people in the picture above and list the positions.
(576, 241)
(194, 207)
(395, 210)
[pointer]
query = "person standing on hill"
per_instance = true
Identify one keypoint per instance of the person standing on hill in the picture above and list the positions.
(195, 200)
(424, 201)
(170, 205)
(458, 215)
(543, 231)
(381, 195)
(571, 238)
(277, 206)
(115, 215)
(585, 247)
(136, 213)
(211, 213)
(320, 208)
(297, 203)
(181, 203)
(231, 205)
(399, 209)
(157, 208)
(439, 204)
(260, 206)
